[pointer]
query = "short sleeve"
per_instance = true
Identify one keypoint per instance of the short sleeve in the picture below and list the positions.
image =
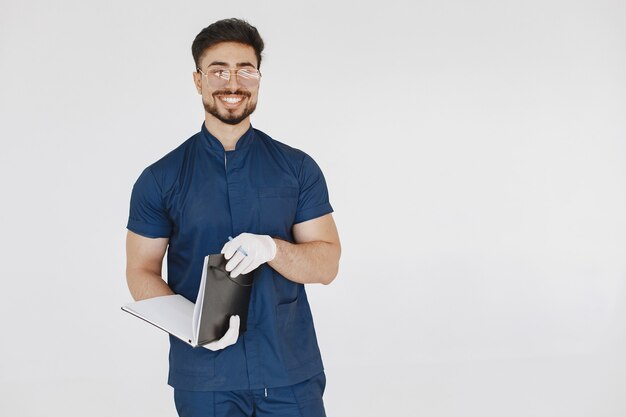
(148, 216)
(313, 200)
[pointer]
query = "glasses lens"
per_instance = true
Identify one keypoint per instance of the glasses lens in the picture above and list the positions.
(248, 77)
(218, 77)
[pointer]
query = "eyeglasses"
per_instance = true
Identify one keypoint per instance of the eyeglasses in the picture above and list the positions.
(219, 77)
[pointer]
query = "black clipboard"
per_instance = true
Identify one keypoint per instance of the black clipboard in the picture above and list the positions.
(221, 296)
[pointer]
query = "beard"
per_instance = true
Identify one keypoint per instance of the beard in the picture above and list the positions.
(230, 117)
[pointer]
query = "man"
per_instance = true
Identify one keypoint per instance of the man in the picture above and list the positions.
(233, 180)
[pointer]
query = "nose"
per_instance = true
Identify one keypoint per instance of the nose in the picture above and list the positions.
(233, 82)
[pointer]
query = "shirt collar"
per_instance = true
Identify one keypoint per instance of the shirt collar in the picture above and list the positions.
(244, 141)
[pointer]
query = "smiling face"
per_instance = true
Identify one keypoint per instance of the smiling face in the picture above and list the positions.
(232, 101)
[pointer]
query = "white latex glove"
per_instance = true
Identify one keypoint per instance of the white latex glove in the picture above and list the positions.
(247, 251)
(230, 338)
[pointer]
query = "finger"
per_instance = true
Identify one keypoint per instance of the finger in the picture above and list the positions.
(234, 261)
(230, 338)
(233, 323)
(245, 263)
(229, 249)
(250, 268)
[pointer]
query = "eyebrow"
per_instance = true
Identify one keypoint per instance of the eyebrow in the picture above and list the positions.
(225, 64)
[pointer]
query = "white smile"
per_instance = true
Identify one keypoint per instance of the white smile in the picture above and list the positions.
(231, 100)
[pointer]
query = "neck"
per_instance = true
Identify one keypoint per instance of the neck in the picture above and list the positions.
(228, 135)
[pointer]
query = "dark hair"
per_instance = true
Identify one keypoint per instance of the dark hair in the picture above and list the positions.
(227, 30)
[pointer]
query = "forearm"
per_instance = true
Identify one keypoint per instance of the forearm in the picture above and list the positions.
(145, 284)
(307, 263)
(144, 259)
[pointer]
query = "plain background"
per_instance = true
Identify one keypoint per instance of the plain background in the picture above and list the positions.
(475, 153)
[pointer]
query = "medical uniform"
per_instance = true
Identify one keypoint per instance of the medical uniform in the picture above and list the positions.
(197, 196)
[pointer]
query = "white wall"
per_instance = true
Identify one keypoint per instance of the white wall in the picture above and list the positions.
(476, 158)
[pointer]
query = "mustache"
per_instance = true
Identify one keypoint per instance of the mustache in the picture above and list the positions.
(228, 92)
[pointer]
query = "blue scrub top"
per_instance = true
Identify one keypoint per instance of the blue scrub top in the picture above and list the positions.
(197, 196)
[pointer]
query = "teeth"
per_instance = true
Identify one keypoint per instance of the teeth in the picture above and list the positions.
(231, 100)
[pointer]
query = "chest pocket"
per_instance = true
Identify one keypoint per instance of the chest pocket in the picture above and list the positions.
(277, 206)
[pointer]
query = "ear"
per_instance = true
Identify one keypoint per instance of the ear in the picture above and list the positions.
(197, 81)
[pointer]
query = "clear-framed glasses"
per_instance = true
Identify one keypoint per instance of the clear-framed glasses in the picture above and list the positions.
(219, 77)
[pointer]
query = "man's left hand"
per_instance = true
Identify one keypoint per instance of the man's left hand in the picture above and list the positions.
(247, 251)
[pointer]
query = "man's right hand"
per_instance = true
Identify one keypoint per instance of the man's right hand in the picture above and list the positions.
(230, 338)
